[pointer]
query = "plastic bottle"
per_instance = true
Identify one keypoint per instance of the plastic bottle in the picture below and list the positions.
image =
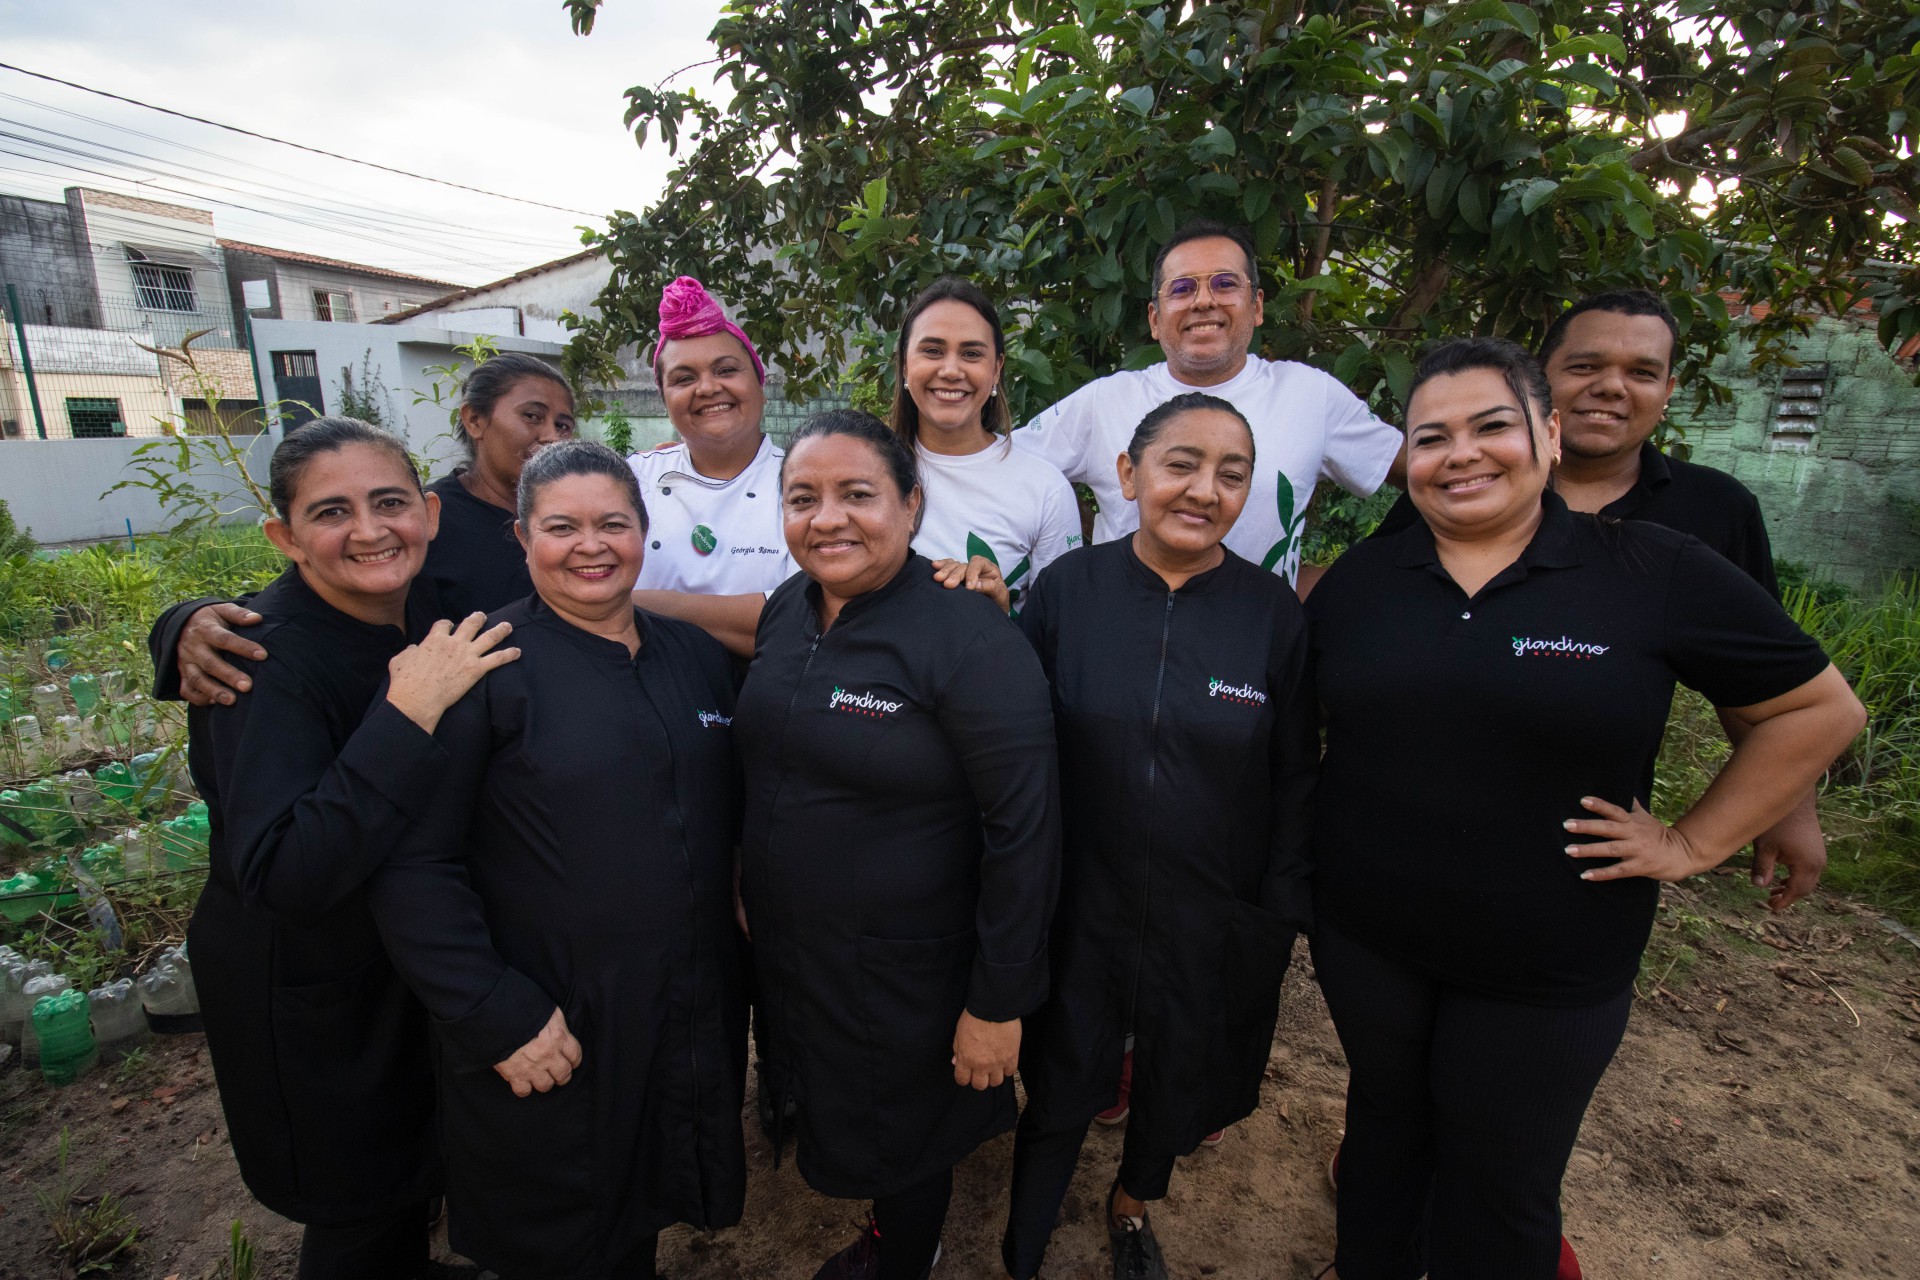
(86, 693)
(167, 993)
(114, 685)
(63, 1027)
(135, 859)
(47, 701)
(119, 1021)
(35, 990)
(21, 897)
(185, 838)
(116, 783)
(8, 707)
(13, 1002)
(26, 732)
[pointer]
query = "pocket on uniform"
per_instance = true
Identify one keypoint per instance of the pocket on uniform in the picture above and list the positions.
(913, 991)
(356, 1082)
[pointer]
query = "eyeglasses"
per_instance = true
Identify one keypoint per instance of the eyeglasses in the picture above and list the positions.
(1225, 286)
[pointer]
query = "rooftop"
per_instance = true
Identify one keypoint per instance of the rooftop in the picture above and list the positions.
(315, 260)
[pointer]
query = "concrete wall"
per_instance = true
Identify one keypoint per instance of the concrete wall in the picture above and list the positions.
(46, 259)
(529, 306)
(58, 488)
(1840, 486)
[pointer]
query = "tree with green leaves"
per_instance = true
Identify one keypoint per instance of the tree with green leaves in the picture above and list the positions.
(1407, 171)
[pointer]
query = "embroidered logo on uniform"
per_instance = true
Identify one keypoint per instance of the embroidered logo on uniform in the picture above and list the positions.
(703, 540)
(708, 719)
(1561, 648)
(862, 704)
(1244, 694)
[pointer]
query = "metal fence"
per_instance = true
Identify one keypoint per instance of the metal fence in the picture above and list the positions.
(79, 365)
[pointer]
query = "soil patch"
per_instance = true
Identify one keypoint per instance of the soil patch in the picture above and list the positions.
(1760, 1121)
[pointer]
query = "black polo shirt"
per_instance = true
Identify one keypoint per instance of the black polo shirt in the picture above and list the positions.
(475, 562)
(1461, 733)
(1707, 503)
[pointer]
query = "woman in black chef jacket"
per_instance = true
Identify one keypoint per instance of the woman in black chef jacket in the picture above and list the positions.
(1495, 679)
(901, 848)
(564, 909)
(1187, 752)
(510, 405)
(319, 1051)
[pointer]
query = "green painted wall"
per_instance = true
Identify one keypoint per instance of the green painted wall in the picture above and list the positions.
(1843, 499)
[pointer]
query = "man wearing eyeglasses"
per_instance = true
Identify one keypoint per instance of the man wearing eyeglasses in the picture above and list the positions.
(1306, 424)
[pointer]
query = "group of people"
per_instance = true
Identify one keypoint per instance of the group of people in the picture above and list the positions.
(533, 786)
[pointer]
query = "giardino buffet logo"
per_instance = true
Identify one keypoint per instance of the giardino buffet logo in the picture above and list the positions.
(1523, 647)
(862, 704)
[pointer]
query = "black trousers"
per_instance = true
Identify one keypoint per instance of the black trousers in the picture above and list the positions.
(1461, 1113)
(1043, 1165)
(393, 1247)
(909, 1224)
(638, 1265)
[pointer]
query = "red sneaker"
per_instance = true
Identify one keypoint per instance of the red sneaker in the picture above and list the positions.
(1214, 1139)
(1123, 1099)
(1569, 1265)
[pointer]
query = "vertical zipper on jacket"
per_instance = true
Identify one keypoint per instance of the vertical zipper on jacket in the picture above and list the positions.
(1153, 751)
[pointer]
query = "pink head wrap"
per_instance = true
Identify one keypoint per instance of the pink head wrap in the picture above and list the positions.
(687, 310)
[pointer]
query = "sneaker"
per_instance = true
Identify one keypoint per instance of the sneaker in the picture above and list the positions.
(861, 1259)
(1333, 1172)
(1123, 1100)
(1569, 1265)
(1136, 1254)
(1214, 1139)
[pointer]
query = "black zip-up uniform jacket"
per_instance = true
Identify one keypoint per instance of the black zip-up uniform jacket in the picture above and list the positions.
(1187, 758)
(579, 854)
(319, 1049)
(899, 864)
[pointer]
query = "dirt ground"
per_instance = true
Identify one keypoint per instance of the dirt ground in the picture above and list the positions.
(1762, 1119)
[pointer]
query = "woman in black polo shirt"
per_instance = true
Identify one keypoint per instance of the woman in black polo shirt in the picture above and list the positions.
(1494, 678)
(901, 849)
(1187, 751)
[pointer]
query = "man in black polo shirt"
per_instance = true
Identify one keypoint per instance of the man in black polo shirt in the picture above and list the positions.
(1609, 360)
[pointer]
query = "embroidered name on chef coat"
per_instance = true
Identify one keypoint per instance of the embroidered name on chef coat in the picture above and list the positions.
(1244, 694)
(862, 704)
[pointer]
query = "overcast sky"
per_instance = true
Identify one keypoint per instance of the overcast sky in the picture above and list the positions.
(498, 94)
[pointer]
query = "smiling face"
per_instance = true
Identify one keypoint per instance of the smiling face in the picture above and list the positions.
(1611, 380)
(1190, 483)
(950, 370)
(1205, 336)
(1473, 468)
(358, 528)
(711, 391)
(533, 412)
(584, 544)
(846, 522)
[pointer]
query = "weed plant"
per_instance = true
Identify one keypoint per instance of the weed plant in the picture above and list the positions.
(90, 1232)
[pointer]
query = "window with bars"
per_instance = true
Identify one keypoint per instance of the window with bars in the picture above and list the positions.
(94, 418)
(333, 306)
(162, 288)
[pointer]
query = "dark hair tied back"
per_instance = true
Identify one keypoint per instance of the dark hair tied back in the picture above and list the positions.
(326, 435)
(1167, 410)
(894, 452)
(1510, 360)
(492, 378)
(565, 458)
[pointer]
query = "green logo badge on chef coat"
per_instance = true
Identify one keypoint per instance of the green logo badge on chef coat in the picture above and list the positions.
(703, 540)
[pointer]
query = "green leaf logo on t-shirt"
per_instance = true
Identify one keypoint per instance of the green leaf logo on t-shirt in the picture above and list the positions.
(977, 546)
(703, 540)
(1291, 525)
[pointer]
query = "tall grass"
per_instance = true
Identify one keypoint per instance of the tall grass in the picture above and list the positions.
(1870, 798)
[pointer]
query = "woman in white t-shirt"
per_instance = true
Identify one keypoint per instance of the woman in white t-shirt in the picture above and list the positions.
(994, 516)
(714, 547)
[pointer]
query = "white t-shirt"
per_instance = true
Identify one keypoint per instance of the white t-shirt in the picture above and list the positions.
(1306, 425)
(711, 537)
(1001, 503)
